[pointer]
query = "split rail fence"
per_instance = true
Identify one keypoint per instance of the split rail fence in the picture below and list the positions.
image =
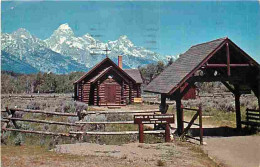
(80, 124)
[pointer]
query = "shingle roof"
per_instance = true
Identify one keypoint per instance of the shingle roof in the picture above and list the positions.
(135, 74)
(131, 74)
(183, 66)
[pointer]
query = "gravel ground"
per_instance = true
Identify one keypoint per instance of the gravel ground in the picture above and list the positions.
(170, 154)
(238, 151)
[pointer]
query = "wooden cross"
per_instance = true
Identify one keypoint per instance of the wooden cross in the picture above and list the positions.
(106, 50)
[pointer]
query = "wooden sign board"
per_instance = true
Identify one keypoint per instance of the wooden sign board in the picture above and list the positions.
(154, 119)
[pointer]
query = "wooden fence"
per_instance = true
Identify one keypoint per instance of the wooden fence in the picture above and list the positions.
(197, 114)
(11, 118)
(252, 118)
(37, 96)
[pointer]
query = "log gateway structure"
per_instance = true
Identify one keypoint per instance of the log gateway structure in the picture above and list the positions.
(107, 84)
(218, 60)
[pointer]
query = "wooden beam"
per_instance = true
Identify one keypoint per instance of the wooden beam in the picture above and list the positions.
(117, 122)
(141, 132)
(201, 128)
(225, 65)
(12, 113)
(41, 121)
(163, 104)
(130, 92)
(258, 88)
(44, 112)
(229, 87)
(215, 79)
(190, 124)
(119, 133)
(237, 106)
(122, 112)
(123, 92)
(167, 133)
(179, 114)
(228, 59)
(98, 98)
(41, 132)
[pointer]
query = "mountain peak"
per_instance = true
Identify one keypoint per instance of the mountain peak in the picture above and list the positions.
(64, 27)
(22, 32)
(123, 37)
(87, 35)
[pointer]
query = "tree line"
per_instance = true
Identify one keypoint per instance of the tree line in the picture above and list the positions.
(38, 83)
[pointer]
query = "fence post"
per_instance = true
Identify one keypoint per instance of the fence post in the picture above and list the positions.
(79, 115)
(13, 121)
(141, 133)
(247, 120)
(7, 110)
(200, 122)
(167, 133)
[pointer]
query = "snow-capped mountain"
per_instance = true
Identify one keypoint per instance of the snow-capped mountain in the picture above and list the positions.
(87, 49)
(26, 48)
(63, 52)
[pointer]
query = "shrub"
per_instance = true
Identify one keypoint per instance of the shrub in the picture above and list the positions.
(18, 140)
(160, 163)
(33, 105)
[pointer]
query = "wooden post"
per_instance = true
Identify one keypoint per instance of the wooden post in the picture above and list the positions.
(122, 92)
(163, 104)
(98, 100)
(13, 121)
(200, 122)
(237, 105)
(179, 116)
(228, 59)
(167, 133)
(81, 92)
(130, 93)
(259, 89)
(141, 133)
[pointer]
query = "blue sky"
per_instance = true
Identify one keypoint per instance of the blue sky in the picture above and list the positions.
(164, 27)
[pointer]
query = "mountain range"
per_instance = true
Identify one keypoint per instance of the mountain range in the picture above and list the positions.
(63, 52)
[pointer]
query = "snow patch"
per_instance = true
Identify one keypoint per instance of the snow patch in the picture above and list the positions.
(68, 42)
(62, 39)
(77, 45)
(23, 36)
(64, 27)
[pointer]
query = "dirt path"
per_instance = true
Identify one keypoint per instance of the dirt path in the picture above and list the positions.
(163, 154)
(238, 151)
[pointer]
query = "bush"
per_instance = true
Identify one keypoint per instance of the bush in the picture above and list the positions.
(160, 163)
(33, 105)
(18, 140)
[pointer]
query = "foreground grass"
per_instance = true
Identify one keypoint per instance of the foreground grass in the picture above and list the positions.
(172, 154)
(34, 155)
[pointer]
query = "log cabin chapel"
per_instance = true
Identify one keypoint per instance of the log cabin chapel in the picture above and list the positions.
(107, 84)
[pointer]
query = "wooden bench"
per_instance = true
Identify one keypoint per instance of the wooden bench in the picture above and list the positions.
(252, 118)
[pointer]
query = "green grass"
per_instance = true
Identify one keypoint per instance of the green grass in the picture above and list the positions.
(34, 155)
(214, 116)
